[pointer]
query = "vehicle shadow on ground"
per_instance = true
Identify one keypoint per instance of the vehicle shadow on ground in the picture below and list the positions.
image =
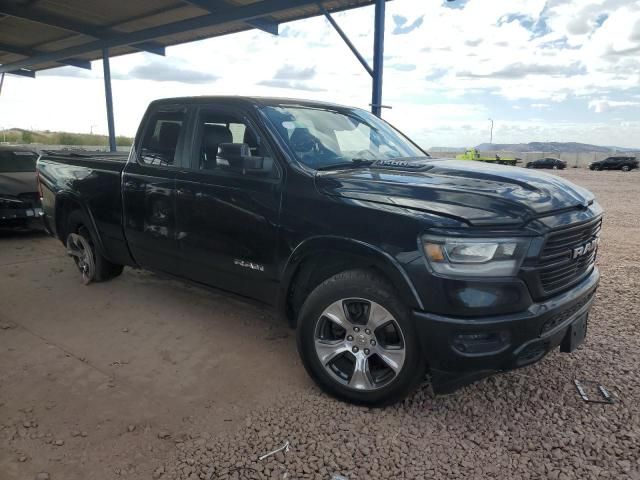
(21, 234)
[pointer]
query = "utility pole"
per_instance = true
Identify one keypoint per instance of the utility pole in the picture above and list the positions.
(491, 138)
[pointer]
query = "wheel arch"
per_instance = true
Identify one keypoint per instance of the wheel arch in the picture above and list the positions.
(68, 202)
(319, 258)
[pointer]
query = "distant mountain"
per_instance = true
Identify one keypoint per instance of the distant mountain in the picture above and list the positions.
(446, 149)
(551, 147)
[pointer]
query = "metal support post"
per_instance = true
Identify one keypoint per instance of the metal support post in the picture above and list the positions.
(378, 58)
(109, 99)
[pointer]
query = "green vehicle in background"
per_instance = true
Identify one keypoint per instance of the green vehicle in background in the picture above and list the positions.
(474, 154)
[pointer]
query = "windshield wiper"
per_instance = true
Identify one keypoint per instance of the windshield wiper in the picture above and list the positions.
(354, 163)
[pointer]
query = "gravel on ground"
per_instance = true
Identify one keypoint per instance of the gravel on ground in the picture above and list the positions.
(529, 423)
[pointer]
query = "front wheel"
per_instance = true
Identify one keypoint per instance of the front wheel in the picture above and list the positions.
(357, 340)
(625, 168)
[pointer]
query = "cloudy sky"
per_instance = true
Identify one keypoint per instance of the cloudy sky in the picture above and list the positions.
(554, 70)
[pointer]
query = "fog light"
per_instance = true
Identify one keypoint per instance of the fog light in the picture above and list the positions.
(475, 343)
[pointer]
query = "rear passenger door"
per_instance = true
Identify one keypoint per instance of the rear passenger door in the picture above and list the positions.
(227, 215)
(148, 185)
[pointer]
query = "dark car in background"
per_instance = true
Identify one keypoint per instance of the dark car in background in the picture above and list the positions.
(624, 163)
(548, 162)
(19, 199)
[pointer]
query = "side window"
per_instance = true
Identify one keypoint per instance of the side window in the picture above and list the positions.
(228, 145)
(161, 138)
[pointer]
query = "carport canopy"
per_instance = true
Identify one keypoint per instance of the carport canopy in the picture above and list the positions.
(42, 34)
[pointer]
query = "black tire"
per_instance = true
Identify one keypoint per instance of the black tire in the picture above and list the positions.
(625, 168)
(360, 286)
(103, 269)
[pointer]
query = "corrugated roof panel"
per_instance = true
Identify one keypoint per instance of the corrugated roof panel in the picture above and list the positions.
(15, 31)
(160, 18)
(99, 18)
(103, 13)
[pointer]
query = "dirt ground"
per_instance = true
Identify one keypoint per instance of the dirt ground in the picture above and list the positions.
(144, 377)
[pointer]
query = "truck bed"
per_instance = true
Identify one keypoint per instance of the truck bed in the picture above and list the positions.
(120, 157)
(91, 179)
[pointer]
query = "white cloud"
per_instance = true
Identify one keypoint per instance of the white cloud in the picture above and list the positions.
(568, 63)
(600, 106)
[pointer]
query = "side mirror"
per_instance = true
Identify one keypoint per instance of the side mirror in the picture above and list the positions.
(238, 157)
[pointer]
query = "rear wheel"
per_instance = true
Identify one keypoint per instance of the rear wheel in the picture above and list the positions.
(357, 341)
(93, 267)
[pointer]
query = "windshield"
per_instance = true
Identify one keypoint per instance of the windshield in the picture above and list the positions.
(18, 161)
(323, 137)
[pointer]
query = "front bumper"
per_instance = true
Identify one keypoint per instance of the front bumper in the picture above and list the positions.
(462, 350)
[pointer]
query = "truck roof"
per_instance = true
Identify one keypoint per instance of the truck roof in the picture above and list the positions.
(248, 100)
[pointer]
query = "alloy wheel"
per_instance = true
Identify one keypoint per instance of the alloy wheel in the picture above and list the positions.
(80, 250)
(360, 344)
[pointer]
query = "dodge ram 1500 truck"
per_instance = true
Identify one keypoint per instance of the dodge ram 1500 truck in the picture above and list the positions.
(391, 265)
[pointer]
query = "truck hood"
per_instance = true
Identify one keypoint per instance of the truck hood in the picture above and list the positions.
(473, 192)
(14, 183)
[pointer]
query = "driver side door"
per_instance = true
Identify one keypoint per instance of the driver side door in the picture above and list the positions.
(227, 216)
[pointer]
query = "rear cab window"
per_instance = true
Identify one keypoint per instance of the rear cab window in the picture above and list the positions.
(161, 137)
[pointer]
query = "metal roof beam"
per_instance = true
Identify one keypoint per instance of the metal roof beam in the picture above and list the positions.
(30, 52)
(20, 11)
(214, 6)
(265, 24)
(76, 62)
(237, 14)
(151, 47)
(22, 72)
(346, 39)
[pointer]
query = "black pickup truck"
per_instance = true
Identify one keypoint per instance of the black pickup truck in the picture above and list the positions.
(391, 265)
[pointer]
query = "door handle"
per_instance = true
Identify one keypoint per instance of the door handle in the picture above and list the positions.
(184, 192)
(132, 185)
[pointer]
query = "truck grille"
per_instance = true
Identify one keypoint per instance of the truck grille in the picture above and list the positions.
(557, 269)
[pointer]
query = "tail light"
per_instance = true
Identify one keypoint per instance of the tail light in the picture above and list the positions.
(38, 183)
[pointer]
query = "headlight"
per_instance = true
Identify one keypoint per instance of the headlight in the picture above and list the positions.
(475, 257)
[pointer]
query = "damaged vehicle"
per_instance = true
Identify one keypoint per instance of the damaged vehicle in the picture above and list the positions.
(390, 264)
(19, 198)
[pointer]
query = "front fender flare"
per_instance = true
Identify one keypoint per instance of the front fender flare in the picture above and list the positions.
(378, 258)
